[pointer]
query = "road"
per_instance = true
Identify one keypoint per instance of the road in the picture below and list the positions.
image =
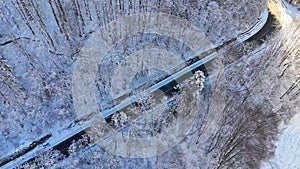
(268, 28)
(255, 32)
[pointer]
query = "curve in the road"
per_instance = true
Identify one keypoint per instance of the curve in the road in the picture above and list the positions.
(77, 132)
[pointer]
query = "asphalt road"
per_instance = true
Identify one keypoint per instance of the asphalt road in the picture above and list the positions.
(267, 29)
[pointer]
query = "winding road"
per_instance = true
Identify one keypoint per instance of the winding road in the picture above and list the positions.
(256, 32)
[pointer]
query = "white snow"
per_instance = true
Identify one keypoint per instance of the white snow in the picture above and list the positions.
(287, 154)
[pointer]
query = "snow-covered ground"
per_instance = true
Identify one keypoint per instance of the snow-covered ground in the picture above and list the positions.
(42, 61)
(40, 41)
(287, 155)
